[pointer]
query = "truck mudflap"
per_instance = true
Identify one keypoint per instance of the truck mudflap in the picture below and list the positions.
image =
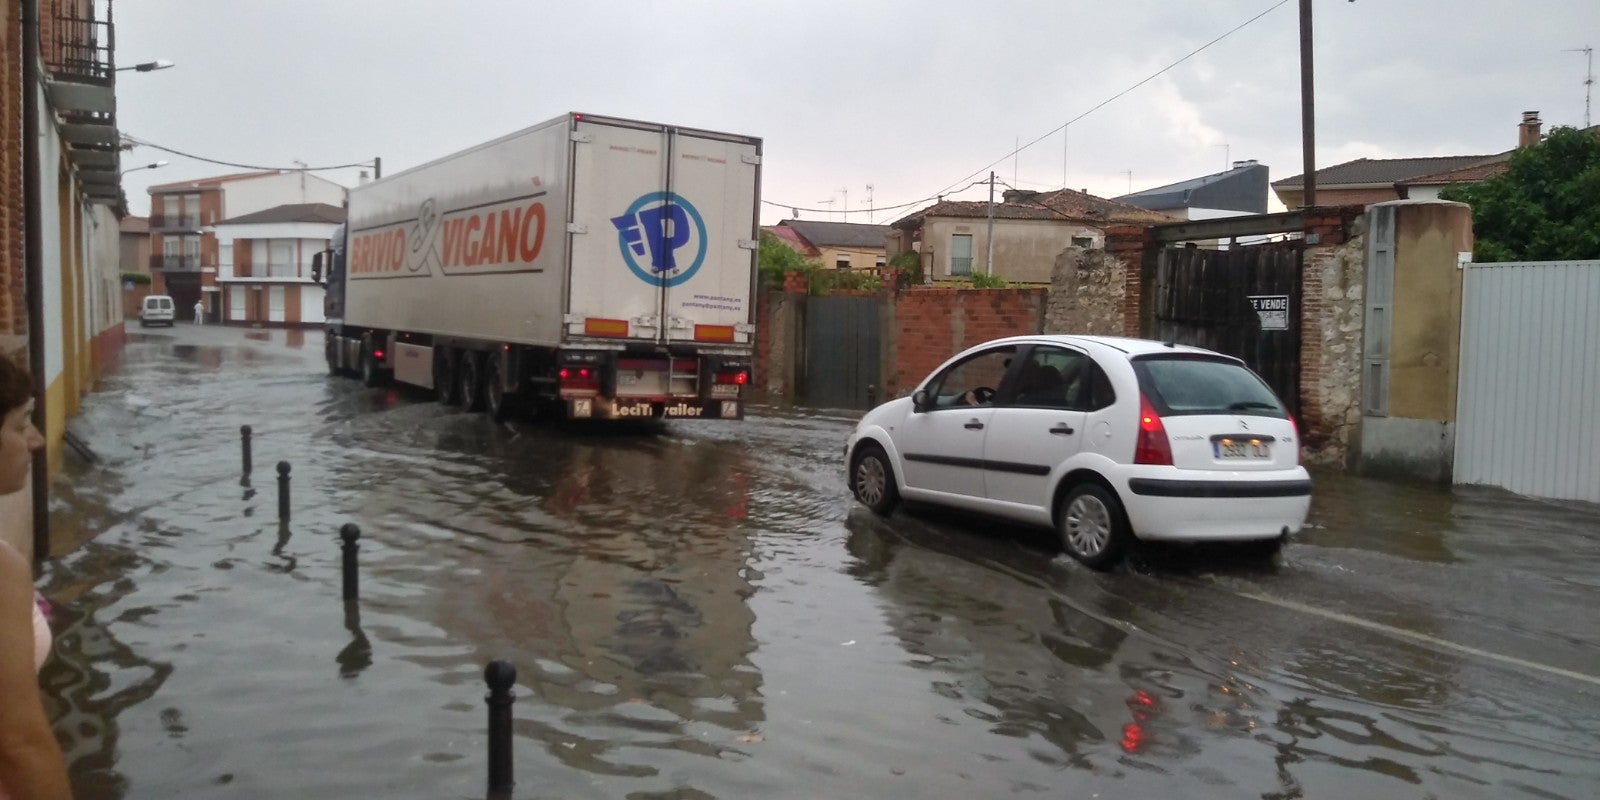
(677, 408)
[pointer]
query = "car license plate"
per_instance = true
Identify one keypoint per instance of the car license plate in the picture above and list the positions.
(1240, 449)
(725, 390)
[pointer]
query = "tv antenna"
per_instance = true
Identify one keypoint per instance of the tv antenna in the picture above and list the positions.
(1588, 79)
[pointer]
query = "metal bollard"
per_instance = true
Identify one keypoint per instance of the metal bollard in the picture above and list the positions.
(872, 395)
(500, 675)
(244, 438)
(283, 491)
(350, 534)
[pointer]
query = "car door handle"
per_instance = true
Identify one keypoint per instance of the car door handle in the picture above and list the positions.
(1062, 429)
(974, 425)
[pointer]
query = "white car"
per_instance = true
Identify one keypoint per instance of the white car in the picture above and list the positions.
(158, 309)
(1101, 438)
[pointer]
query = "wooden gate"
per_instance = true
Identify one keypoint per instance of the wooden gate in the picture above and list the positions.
(1244, 301)
(840, 367)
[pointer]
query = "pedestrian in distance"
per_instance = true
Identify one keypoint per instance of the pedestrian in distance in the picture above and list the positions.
(199, 312)
(31, 765)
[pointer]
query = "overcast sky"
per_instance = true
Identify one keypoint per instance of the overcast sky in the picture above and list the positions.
(910, 98)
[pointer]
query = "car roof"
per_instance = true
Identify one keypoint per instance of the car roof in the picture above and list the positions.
(1126, 345)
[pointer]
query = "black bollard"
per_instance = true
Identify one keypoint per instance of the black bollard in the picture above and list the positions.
(283, 491)
(350, 534)
(872, 395)
(244, 438)
(500, 675)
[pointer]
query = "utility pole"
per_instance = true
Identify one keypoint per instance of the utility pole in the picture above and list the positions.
(1588, 79)
(1129, 173)
(846, 192)
(1064, 129)
(1227, 157)
(869, 204)
(1308, 134)
(988, 259)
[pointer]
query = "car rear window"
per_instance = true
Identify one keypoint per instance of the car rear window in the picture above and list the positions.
(1194, 384)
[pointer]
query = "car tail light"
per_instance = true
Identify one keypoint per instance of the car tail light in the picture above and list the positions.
(577, 374)
(740, 378)
(377, 355)
(1153, 446)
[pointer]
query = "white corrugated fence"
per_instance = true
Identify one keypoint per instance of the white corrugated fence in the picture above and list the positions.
(1528, 407)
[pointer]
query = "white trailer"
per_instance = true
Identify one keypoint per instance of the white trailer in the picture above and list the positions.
(589, 267)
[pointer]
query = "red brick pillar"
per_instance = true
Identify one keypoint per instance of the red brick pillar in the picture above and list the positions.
(1131, 245)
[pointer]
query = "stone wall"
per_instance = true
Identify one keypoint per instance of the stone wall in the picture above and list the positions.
(1087, 288)
(1333, 307)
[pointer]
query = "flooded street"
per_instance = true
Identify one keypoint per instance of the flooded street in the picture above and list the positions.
(698, 610)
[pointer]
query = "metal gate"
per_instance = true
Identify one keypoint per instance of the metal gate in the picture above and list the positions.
(1244, 301)
(842, 352)
(1528, 401)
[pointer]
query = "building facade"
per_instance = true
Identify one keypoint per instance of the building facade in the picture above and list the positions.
(264, 265)
(184, 252)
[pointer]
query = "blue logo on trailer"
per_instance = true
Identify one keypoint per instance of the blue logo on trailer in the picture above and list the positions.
(653, 231)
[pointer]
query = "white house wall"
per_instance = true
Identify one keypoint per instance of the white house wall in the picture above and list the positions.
(259, 194)
(103, 248)
(311, 304)
(50, 227)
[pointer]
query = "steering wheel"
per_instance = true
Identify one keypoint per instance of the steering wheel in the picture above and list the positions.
(982, 394)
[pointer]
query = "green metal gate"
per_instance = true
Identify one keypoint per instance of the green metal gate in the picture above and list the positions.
(840, 366)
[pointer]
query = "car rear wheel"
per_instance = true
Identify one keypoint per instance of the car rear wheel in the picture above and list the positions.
(1093, 528)
(872, 480)
(470, 381)
(1262, 549)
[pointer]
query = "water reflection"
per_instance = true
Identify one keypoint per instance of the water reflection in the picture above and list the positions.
(608, 569)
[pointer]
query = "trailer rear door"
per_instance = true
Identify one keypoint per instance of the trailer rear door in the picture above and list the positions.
(667, 241)
(619, 177)
(714, 179)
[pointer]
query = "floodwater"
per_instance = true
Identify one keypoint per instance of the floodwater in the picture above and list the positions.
(697, 610)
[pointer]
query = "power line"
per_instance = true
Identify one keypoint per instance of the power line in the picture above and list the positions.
(1064, 126)
(297, 168)
(1118, 95)
(939, 196)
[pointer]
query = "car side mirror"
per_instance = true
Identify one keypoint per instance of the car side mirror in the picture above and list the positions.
(919, 401)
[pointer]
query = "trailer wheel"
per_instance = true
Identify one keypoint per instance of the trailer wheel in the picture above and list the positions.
(444, 376)
(331, 352)
(470, 371)
(495, 400)
(372, 374)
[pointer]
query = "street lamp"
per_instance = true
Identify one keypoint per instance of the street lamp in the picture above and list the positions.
(154, 165)
(148, 66)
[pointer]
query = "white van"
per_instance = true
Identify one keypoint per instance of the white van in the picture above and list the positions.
(158, 310)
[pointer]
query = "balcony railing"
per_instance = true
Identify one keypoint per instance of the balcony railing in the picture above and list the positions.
(176, 263)
(178, 222)
(80, 49)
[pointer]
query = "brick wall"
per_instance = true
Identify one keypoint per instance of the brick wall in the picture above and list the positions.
(931, 324)
(13, 303)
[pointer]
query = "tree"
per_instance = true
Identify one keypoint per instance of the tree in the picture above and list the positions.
(1545, 207)
(775, 258)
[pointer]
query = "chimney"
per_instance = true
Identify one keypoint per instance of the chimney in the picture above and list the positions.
(1017, 195)
(1528, 131)
(362, 181)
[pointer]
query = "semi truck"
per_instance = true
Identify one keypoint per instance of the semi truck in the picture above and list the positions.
(586, 267)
